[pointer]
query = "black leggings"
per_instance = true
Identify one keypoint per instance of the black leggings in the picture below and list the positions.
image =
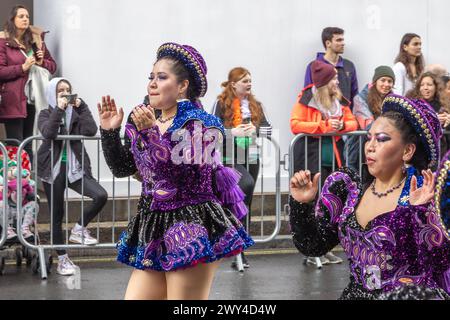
(20, 129)
(92, 189)
(247, 184)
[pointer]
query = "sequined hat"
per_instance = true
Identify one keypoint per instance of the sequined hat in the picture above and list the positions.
(442, 194)
(191, 59)
(424, 120)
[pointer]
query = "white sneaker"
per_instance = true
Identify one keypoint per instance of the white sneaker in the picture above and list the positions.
(312, 260)
(76, 236)
(332, 258)
(26, 232)
(65, 266)
(11, 233)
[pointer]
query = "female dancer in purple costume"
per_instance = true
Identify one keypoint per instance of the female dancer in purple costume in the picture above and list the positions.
(188, 214)
(390, 230)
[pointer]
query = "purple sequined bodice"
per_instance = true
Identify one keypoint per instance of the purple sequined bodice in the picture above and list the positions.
(400, 247)
(177, 167)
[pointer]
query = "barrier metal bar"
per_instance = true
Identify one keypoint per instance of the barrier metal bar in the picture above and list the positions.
(4, 204)
(41, 247)
(306, 136)
(319, 166)
(230, 145)
(361, 134)
(98, 180)
(4, 213)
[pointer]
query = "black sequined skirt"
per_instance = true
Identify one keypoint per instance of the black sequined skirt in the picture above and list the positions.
(355, 291)
(181, 238)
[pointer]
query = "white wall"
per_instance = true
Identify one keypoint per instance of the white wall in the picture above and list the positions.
(108, 47)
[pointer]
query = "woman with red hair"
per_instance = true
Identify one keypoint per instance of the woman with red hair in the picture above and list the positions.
(244, 118)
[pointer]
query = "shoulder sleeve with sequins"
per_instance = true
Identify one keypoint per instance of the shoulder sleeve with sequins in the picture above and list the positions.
(432, 240)
(315, 227)
(118, 156)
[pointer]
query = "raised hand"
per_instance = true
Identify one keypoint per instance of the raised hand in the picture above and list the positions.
(424, 194)
(143, 117)
(250, 129)
(110, 117)
(302, 188)
(241, 130)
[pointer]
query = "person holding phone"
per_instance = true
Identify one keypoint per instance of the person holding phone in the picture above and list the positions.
(21, 47)
(244, 117)
(68, 115)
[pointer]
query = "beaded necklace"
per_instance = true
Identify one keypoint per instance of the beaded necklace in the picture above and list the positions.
(384, 194)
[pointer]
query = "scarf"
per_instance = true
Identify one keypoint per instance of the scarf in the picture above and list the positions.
(237, 114)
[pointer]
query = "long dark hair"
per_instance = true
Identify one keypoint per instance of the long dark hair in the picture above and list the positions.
(404, 57)
(11, 30)
(415, 92)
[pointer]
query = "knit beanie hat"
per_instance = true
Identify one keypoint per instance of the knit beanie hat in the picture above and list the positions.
(383, 71)
(322, 73)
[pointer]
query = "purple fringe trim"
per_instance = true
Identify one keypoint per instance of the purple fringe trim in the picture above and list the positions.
(226, 178)
(239, 209)
(232, 195)
(229, 193)
(446, 281)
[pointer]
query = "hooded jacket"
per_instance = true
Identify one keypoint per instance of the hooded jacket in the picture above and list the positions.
(307, 118)
(51, 124)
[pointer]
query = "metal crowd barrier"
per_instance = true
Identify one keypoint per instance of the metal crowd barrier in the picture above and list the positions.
(44, 260)
(260, 144)
(3, 206)
(319, 138)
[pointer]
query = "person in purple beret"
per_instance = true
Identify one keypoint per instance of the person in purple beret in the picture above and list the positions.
(190, 206)
(388, 225)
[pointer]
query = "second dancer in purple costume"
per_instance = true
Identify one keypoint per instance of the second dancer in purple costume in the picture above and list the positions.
(394, 239)
(189, 211)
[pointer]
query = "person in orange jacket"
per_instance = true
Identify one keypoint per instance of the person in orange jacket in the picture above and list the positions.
(320, 109)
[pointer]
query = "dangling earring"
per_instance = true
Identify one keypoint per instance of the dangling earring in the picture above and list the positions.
(405, 168)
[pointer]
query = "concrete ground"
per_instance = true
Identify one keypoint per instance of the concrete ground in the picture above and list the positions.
(277, 274)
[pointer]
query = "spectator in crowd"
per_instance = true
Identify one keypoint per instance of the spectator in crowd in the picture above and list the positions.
(321, 108)
(438, 69)
(23, 55)
(409, 63)
(366, 108)
(445, 87)
(430, 89)
(333, 42)
(68, 114)
(240, 112)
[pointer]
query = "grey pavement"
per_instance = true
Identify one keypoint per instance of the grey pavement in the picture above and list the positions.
(273, 275)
